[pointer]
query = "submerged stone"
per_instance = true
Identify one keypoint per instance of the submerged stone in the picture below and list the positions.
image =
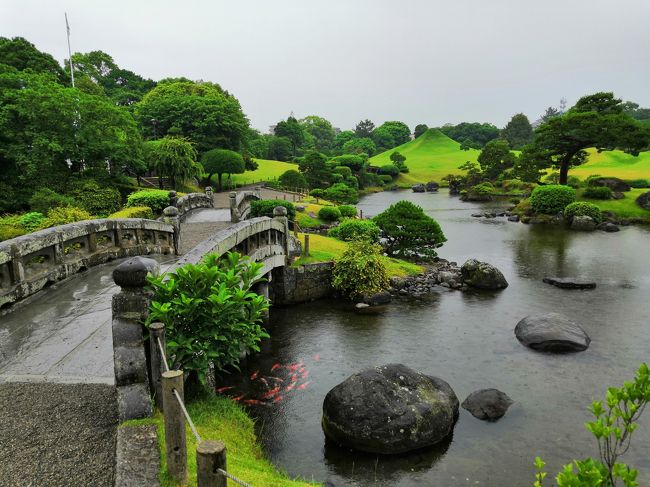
(569, 282)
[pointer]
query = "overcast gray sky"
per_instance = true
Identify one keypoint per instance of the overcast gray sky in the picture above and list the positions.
(417, 61)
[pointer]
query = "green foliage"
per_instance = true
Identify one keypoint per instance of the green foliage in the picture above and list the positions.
(399, 161)
(389, 170)
(292, 130)
(8, 232)
(156, 199)
(32, 220)
(385, 179)
(639, 183)
(63, 215)
(551, 199)
(363, 145)
(220, 162)
(582, 208)
(344, 171)
(266, 207)
(475, 135)
(408, 231)
(341, 193)
(391, 134)
(44, 199)
(292, 179)
(495, 158)
(321, 130)
(615, 421)
(518, 132)
(209, 312)
(314, 167)
(95, 199)
(348, 211)
(317, 193)
(419, 129)
(360, 270)
(329, 213)
(22, 54)
(134, 212)
(482, 190)
(364, 128)
(173, 157)
(354, 161)
(352, 229)
(597, 192)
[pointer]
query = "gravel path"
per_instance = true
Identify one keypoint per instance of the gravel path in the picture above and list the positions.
(57, 435)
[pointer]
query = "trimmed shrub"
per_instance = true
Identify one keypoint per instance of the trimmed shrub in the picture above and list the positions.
(45, 199)
(344, 171)
(316, 193)
(350, 229)
(639, 183)
(341, 193)
(97, 200)
(63, 215)
(353, 161)
(353, 182)
(390, 170)
(348, 211)
(329, 213)
(32, 220)
(293, 179)
(386, 179)
(266, 207)
(134, 212)
(574, 182)
(361, 270)
(597, 193)
(582, 208)
(156, 199)
(479, 192)
(551, 199)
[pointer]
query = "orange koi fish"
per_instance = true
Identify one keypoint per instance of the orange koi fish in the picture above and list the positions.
(252, 402)
(271, 393)
(238, 398)
(275, 366)
(305, 374)
(254, 375)
(278, 399)
(303, 385)
(221, 390)
(289, 387)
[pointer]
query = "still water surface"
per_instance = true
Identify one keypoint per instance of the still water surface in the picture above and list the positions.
(468, 340)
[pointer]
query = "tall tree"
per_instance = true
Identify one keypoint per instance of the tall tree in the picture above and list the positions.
(292, 130)
(399, 160)
(419, 130)
(496, 158)
(220, 162)
(22, 54)
(595, 121)
(321, 130)
(359, 146)
(391, 134)
(172, 157)
(314, 167)
(473, 134)
(518, 132)
(364, 128)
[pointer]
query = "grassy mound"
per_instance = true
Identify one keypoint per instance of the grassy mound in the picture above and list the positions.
(614, 163)
(430, 157)
(267, 170)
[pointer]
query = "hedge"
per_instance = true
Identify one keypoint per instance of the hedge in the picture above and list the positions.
(582, 208)
(156, 199)
(551, 199)
(134, 212)
(266, 207)
(597, 193)
(348, 211)
(350, 229)
(329, 213)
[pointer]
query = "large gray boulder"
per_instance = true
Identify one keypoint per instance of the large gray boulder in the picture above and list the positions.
(644, 200)
(615, 184)
(583, 223)
(487, 404)
(482, 275)
(432, 187)
(418, 188)
(552, 332)
(389, 409)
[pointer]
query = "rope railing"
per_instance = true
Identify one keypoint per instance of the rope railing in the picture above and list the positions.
(168, 393)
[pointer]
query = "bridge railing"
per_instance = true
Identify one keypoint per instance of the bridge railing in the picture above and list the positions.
(240, 205)
(31, 262)
(191, 201)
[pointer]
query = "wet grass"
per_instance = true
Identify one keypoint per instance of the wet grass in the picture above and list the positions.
(623, 208)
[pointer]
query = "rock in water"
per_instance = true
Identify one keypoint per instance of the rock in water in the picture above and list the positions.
(487, 404)
(583, 223)
(389, 409)
(432, 186)
(418, 188)
(482, 275)
(569, 282)
(552, 332)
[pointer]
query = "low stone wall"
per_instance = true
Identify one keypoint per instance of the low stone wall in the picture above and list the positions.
(31, 262)
(309, 282)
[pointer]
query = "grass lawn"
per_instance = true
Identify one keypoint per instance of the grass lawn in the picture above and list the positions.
(323, 249)
(267, 171)
(614, 163)
(625, 208)
(218, 418)
(430, 157)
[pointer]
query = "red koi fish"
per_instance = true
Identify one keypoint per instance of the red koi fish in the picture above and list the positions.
(304, 375)
(275, 366)
(289, 387)
(294, 378)
(252, 402)
(271, 393)
(238, 398)
(221, 390)
(278, 399)
(254, 375)
(303, 386)
(277, 379)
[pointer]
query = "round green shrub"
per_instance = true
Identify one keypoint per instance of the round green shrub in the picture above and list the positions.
(329, 213)
(597, 192)
(350, 229)
(348, 211)
(266, 207)
(551, 199)
(134, 212)
(292, 179)
(316, 193)
(97, 200)
(344, 171)
(45, 199)
(385, 179)
(32, 220)
(8, 232)
(156, 199)
(341, 193)
(582, 208)
(390, 170)
(361, 270)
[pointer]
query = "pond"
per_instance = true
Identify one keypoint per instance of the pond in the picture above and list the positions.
(468, 340)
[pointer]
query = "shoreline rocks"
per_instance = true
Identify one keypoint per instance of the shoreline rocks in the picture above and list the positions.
(551, 332)
(389, 409)
(482, 275)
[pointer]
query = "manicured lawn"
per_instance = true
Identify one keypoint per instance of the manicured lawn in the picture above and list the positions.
(614, 163)
(430, 157)
(218, 418)
(267, 171)
(323, 249)
(625, 208)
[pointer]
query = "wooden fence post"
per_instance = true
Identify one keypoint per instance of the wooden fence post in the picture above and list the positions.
(210, 456)
(176, 447)
(306, 249)
(157, 332)
(361, 214)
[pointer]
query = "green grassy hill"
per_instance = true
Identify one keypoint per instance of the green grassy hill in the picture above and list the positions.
(430, 157)
(266, 171)
(614, 163)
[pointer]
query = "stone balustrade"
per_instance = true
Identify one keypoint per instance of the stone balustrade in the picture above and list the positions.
(240, 205)
(192, 201)
(32, 262)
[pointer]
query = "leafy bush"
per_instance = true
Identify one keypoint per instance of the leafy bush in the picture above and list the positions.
(134, 212)
(352, 181)
(353, 161)
(551, 199)
(292, 179)
(512, 184)
(32, 220)
(639, 183)
(336, 178)
(341, 193)
(45, 199)
(209, 312)
(582, 208)
(597, 192)
(316, 193)
(10, 231)
(367, 179)
(97, 200)
(344, 171)
(329, 213)
(350, 229)
(348, 211)
(483, 189)
(266, 207)
(390, 170)
(360, 270)
(63, 215)
(156, 199)
(574, 182)
(408, 231)
(386, 179)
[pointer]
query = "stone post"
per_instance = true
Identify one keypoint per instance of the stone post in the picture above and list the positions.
(280, 215)
(130, 306)
(234, 211)
(170, 215)
(173, 199)
(209, 194)
(262, 288)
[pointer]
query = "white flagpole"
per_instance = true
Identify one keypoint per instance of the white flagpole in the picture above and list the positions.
(67, 27)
